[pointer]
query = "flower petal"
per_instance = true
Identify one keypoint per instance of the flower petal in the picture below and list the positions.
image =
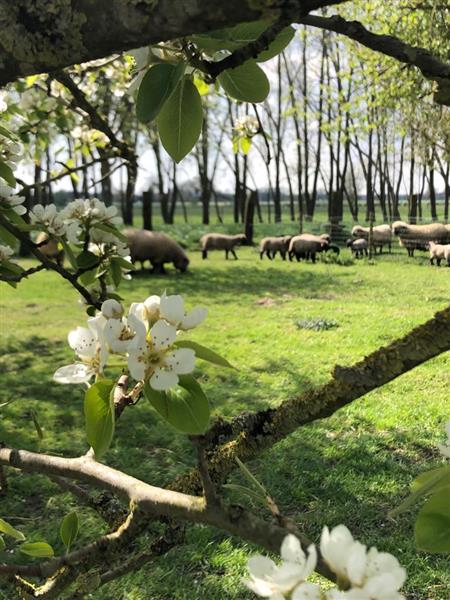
(307, 591)
(76, 373)
(291, 550)
(194, 318)
(260, 566)
(137, 364)
(111, 309)
(163, 335)
(83, 341)
(163, 380)
(172, 308)
(181, 361)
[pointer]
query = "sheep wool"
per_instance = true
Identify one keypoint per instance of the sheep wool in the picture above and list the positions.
(156, 247)
(271, 245)
(221, 241)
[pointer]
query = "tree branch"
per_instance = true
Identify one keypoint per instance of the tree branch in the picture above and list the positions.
(247, 435)
(431, 66)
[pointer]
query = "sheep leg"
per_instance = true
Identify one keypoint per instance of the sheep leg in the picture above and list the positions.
(432, 260)
(313, 257)
(283, 254)
(291, 256)
(438, 261)
(271, 256)
(233, 253)
(268, 255)
(226, 254)
(261, 254)
(204, 254)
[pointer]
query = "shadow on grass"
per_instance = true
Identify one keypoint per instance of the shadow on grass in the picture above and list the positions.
(237, 281)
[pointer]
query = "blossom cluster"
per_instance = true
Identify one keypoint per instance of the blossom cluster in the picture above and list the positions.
(146, 337)
(5, 253)
(361, 574)
(246, 126)
(9, 199)
(78, 217)
(10, 152)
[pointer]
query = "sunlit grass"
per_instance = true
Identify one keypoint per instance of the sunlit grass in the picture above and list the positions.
(349, 468)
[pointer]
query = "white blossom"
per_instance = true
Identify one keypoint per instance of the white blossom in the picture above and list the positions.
(3, 103)
(48, 217)
(153, 357)
(272, 581)
(445, 448)
(8, 199)
(90, 346)
(5, 253)
(111, 309)
(172, 310)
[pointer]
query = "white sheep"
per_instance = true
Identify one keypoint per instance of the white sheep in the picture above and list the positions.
(439, 252)
(308, 245)
(417, 237)
(381, 235)
(358, 247)
(271, 245)
(221, 241)
(156, 247)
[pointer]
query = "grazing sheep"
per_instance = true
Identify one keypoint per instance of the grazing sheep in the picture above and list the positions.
(381, 235)
(358, 247)
(273, 245)
(49, 247)
(439, 252)
(417, 237)
(221, 241)
(308, 245)
(156, 247)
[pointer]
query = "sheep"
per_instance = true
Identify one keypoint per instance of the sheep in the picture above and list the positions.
(416, 237)
(308, 245)
(439, 252)
(49, 247)
(273, 245)
(156, 247)
(381, 235)
(221, 241)
(358, 247)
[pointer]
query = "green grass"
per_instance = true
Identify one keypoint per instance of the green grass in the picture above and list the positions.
(349, 468)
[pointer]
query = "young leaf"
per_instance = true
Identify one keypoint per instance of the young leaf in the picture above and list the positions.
(246, 492)
(2, 543)
(247, 83)
(86, 260)
(111, 229)
(70, 255)
(187, 410)
(8, 529)
(69, 529)
(277, 45)
(115, 271)
(7, 174)
(37, 549)
(156, 87)
(124, 264)
(432, 529)
(180, 120)
(7, 238)
(423, 485)
(37, 425)
(204, 353)
(99, 415)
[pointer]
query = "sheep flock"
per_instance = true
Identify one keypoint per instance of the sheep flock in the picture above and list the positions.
(159, 248)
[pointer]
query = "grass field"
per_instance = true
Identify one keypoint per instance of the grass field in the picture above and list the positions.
(349, 468)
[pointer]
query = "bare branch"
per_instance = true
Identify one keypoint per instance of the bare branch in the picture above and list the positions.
(431, 66)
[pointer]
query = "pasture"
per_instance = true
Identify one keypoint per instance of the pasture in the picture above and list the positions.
(351, 468)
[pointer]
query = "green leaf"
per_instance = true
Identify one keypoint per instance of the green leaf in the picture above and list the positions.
(69, 253)
(89, 277)
(246, 492)
(86, 260)
(124, 264)
(8, 529)
(8, 238)
(187, 410)
(7, 174)
(432, 529)
(428, 481)
(37, 549)
(247, 83)
(157, 85)
(69, 529)
(91, 311)
(180, 120)
(111, 229)
(37, 426)
(8, 134)
(246, 144)
(204, 353)
(277, 45)
(2, 543)
(116, 273)
(17, 220)
(99, 415)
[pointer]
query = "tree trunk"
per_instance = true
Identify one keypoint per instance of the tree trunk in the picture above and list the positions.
(147, 209)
